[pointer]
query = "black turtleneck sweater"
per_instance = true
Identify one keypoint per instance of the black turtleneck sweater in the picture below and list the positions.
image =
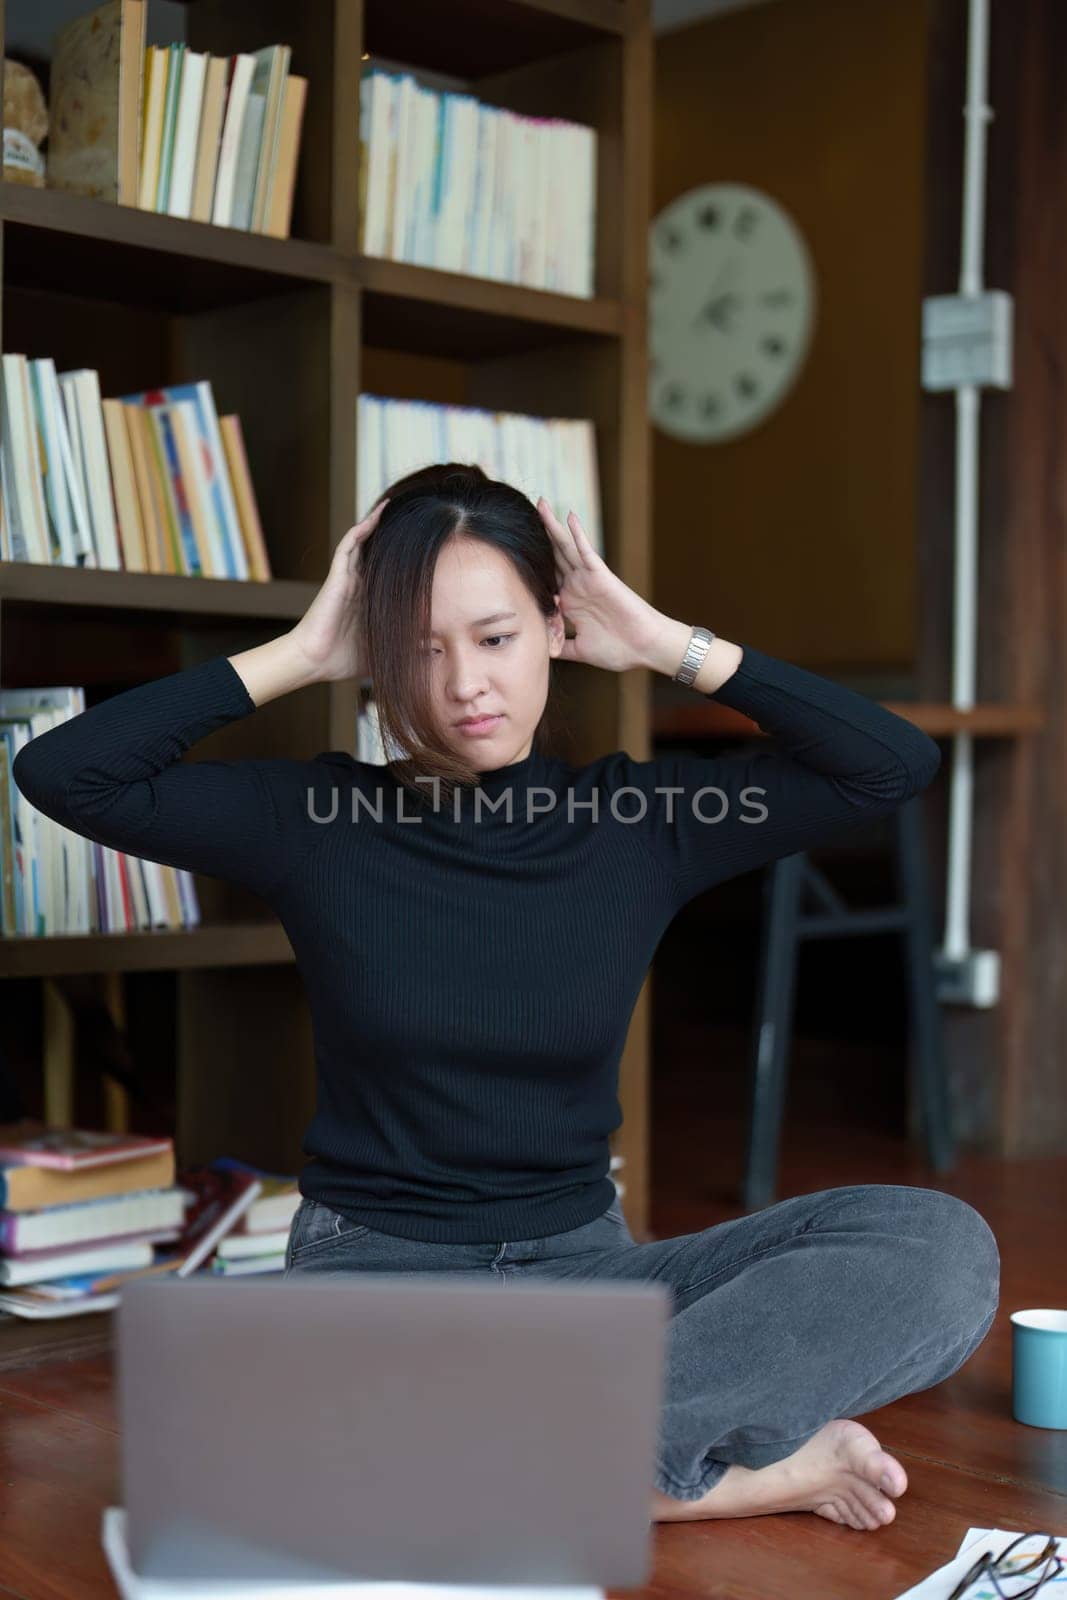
(471, 978)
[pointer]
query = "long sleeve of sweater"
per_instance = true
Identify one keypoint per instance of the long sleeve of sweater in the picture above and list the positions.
(835, 759)
(115, 774)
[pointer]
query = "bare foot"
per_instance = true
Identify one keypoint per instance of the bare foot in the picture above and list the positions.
(842, 1473)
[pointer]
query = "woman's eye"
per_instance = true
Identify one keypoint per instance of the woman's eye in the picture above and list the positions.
(493, 636)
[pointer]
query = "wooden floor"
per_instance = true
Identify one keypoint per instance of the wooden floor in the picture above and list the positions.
(968, 1462)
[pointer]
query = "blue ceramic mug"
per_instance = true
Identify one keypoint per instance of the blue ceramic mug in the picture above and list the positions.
(1039, 1368)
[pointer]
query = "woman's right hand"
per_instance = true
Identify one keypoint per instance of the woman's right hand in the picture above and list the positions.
(327, 634)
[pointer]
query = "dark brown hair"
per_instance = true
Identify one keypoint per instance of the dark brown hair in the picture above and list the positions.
(426, 510)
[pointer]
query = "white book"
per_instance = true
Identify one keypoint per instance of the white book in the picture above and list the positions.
(19, 434)
(405, 146)
(244, 183)
(157, 903)
(137, 892)
(427, 119)
(53, 850)
(85, 419)
(186, 134)
(6, 553)
(11, 1300)
(84, 550)
(585, 173)
(99, 1258)
(13, 432)
(114, 914)
(143, 1211)
(483, 210)
(383, 91)
(238, 1246)
(229, 149)
(245, 1266)
(543, 220)
(57, 492)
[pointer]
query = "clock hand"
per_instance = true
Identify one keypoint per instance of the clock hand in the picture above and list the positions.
(714, 311)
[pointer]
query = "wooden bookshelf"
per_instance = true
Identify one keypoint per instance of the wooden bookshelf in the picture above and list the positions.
(26, 586)
(290, 332)
(232, 944)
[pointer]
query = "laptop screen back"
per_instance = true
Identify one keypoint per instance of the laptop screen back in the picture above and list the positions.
(390, 1428)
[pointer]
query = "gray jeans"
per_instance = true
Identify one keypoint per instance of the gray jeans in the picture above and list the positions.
(826, 1305)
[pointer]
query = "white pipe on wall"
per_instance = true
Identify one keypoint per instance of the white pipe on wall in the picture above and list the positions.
(965, 588)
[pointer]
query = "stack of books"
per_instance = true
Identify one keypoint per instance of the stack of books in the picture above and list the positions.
(553, 456)
(225, 1204)
(258, 1240)
(211, 138)
(221, 137)
(151, 482)
(54, 881)
(448, 182)
(78, 1202)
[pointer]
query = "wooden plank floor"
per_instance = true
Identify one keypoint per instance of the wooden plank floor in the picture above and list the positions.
(969, 1464)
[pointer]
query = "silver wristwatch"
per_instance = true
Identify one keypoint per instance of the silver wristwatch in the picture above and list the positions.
(699, 644)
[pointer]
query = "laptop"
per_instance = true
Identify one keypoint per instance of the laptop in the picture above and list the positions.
(368, 1433)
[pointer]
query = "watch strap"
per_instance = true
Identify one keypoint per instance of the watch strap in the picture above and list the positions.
(700, 641)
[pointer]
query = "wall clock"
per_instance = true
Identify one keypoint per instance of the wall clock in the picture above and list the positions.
(731, 310)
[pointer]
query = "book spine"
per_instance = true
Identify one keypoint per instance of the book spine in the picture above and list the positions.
(185, 521)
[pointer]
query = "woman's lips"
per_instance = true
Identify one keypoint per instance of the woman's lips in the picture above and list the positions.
(483, 725)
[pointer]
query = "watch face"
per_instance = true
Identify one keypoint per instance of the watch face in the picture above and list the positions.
(731, 308)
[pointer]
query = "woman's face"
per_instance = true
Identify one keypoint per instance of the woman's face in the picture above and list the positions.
(490, 652)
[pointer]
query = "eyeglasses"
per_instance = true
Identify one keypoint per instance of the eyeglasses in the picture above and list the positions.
(1030, 1553)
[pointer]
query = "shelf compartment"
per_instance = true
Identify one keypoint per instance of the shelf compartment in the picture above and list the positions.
(473, 38)
(249, 944)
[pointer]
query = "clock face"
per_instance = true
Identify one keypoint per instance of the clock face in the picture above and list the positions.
(731, 307)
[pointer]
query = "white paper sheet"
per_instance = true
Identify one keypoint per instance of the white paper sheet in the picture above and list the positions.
(943, 1581)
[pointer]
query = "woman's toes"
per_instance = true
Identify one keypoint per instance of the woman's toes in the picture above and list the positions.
(831, 1511)
(891, 1479)
(882, 1510)
(860, 1516)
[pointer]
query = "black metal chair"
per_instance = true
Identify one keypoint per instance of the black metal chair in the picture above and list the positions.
(787, 884)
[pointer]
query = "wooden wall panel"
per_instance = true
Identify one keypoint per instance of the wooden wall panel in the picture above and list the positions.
(1008, 1063)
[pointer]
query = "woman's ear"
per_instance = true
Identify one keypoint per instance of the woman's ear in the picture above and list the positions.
(557, 629)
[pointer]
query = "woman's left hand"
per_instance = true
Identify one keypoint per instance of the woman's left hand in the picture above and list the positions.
(614, 628)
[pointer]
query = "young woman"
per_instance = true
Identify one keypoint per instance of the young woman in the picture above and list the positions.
(473, 922)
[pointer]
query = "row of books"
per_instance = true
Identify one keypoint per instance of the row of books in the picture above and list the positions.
(149, 482)
(220, 137)
(448, 182)
(213, 138)
(53, 881)
(82, 1211)
(553, 456)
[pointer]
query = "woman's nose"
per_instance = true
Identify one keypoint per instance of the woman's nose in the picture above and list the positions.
(466, 676)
